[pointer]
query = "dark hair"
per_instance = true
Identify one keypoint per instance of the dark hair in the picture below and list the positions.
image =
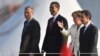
(28, 7)
(56, 3)
(86, 13)
(77, 14)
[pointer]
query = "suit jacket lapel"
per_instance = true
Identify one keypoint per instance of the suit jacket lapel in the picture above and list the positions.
(55, 22)
(57, 18)
(25, 29)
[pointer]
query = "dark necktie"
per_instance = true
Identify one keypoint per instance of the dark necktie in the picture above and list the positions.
(51, 23)
(25, 24)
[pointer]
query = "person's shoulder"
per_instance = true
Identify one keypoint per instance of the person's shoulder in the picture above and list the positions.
(60, 16)
(93, 26)
(35, 24)
(73, 26)
(34, 21)
(50, 18)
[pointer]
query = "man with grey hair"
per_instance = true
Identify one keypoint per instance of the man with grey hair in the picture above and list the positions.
(30, 35)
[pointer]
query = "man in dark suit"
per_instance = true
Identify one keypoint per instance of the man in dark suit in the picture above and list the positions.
(30, 35)
(88, 36)
(53, 38)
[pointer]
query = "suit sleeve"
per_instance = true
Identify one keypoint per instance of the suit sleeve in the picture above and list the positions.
(35, 35)
(45, 39)
(93, 41)
(65, 23)
(22, 39)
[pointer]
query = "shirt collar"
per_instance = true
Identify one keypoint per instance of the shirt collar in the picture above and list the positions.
(29, 20)
(87, 24)
(56, 16)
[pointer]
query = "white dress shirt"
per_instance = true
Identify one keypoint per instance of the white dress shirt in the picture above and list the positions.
(86, 26)
(55, 16)
(74, 32)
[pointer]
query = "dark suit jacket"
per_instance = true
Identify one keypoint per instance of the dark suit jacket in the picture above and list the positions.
(53, 38)
(30, 37)
(88, 40)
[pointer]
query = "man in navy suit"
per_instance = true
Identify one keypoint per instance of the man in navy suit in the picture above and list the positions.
(88, 36)
(54, 39)
(30, 35)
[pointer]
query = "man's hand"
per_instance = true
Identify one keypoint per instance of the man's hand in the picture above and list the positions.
(60, 24)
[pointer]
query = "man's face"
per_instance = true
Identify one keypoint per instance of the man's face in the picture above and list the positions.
(77, 20)
(53, 9)
(85, 19)
(28, 13)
